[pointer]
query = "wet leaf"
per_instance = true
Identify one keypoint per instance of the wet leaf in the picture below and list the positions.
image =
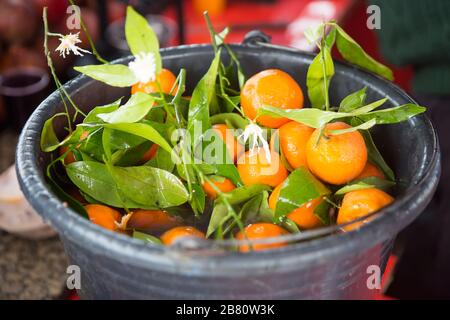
(134, 187)
(320, 73)
(49, 140)
(363, 126)
(393, 115)
(143, 130)
(92, 116)
(366, 183)
(373, 153)
(353, 101)
(244, 193)
(299, 187)
(136, 108)
(353, 53)
(219, 216)
(146, 237)
(116, 75)
(198, 199)
(140, 36)
(201, 99)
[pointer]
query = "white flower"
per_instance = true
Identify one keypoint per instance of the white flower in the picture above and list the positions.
(254, 133)
(144, 67)
(69, 44)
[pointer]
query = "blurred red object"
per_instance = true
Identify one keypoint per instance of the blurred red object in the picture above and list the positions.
(56, 9)
(284, 20)
(214, 7)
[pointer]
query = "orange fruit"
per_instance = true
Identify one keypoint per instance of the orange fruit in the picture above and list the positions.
(70, 158)
(293, 138)
(336, 159)
(370, 170)
(171, 235)
(234, 148)
(254, 167)
(360, 203)
(103, 216)
(224, 185)
(214, 8)
(304, 215)
(150, 154)
(166, 80)
(152, 221)
(261, 231)
(272, 87)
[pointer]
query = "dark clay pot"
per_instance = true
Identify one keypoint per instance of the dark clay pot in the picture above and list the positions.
(114, 266)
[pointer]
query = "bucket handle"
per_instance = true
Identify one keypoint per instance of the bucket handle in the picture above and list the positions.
(256, 37)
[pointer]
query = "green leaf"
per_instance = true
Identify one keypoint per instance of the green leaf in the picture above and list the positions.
(373, 153)
(366, 183)
(198, 199)
(254, 210)
(199, 115)
(134, 187)
(116, 75)
(353, 187)
(242, 194)
(93, 145)
(316, 118)
(363, 126)
(353, 101)
(133, 156)
(219, 38)
(49, 140)
(320, 72)
(322, 212)
(92, 116)
(201, 99)
(106, 138)
(229, 171)
(393, 115)
(367, 108)
(94, 179)
(330, 39)
(257, 210)
(152, 187)
(378, 183)
(137, 107)
(237, 121)
(299, 187)
(140, 36)
(353, 53)
(289, 225)
(311, 117)
(146, 237)
(207, 169)
(219, 216)
(162, 160)
(141, 130)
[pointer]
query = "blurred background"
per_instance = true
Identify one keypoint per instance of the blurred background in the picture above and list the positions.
(32, 262)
